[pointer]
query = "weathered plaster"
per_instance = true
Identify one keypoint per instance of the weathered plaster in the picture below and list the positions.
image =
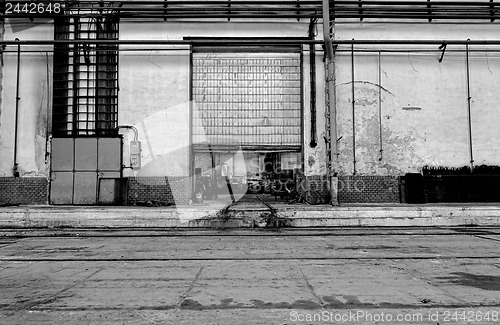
(155, 84)
(314, 158)
(33, 105)
(436, 132)
(2, 31)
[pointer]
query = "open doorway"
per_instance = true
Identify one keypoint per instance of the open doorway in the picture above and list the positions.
(269, 175)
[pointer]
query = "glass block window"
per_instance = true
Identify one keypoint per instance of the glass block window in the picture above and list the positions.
(85, 96)
(251, 98)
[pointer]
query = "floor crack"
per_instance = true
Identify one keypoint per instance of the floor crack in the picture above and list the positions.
(321, 302)
(57, 294)
(191, 286)
(497, 240)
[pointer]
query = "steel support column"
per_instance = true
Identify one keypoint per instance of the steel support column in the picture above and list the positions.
(330, 106)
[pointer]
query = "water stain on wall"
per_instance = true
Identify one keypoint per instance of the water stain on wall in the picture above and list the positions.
(386, 142)
(2, 48)
(41, 130)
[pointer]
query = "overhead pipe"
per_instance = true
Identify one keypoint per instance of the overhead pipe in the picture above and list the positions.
(289, 2)
(203, 15)
(353, 113)
(283, 9)
(15, 170)
(469, 119)
(356, 50)
(251, 41)
(331, 108)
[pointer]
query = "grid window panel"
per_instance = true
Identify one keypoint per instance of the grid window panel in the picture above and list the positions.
(85, 78)
(252, 98)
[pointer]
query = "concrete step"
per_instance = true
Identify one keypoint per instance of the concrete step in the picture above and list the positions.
(222, 217)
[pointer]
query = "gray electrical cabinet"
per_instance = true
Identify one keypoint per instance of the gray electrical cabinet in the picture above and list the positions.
(85, 171)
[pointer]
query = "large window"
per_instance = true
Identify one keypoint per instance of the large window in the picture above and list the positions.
(253, 99)
(85, 94)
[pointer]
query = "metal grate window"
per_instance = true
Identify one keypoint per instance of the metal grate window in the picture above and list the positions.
(85, 78)
(252, 98)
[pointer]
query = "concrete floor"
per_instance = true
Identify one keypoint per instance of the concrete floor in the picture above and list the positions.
(310, 276)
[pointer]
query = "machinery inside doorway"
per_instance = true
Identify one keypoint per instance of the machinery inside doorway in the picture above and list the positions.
(271, 174)
(247, 126)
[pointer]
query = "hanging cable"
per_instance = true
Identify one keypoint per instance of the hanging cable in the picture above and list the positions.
(15, 170)
(469, 119)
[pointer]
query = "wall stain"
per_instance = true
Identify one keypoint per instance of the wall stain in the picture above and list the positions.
(401, 148)
(41, 131)
(2, 48)
(368, 83)
(311, 161)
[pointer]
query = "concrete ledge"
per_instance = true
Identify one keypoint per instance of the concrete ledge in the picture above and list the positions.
(211, 217)
(404, 215)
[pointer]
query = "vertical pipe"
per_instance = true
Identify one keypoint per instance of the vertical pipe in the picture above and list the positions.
(312, 68)
(353, 113)
(191, 175)
(330, 108)
(468, 107)
(380, 106)
(15, 171)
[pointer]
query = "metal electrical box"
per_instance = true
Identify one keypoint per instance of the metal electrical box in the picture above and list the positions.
(79, 164)
(135, 154)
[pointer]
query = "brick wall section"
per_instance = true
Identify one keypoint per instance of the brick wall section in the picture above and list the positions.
(158, 190)
(369, 189)
(318, 185)
(24, 190)
(357, 189)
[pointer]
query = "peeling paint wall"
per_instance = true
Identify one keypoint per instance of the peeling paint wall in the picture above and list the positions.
(314, 158)
(2, 31)
(155, 86)
(424, 102)
(35, 90)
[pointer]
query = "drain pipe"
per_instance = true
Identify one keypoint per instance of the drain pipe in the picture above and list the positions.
(380, 107)
(353, 113)
(312, 68)
(15, 170)
(468, 106)
(330, 107)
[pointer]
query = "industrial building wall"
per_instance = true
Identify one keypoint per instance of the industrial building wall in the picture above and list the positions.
(154, 97)
(35, 91)
(423, 105)
(410, 110)
(423, 108)
(157, 83)
(34, 107)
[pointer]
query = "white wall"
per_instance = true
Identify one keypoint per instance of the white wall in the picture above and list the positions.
(155, 84)
(35, 94)
(437, 133)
